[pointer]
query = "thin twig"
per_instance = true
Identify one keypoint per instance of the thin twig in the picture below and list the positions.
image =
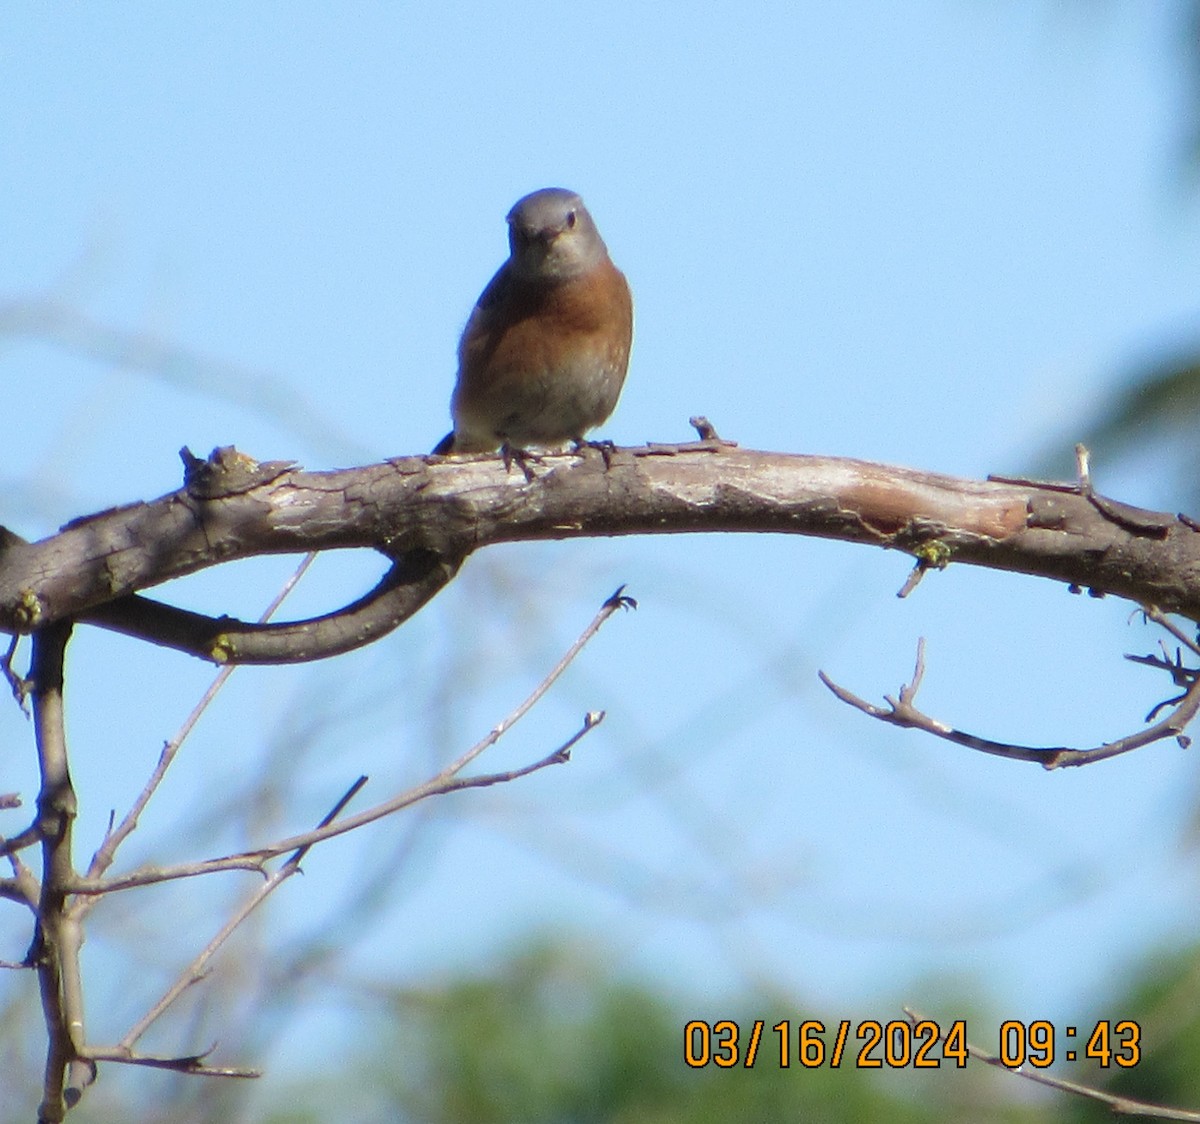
(1181, 675)
(1083, 469)
(1119, 1104)
(195, 971)
(255, 860)
(618, 600)
(913, 580)
(23, 886)
(19, 686)
(444, 782)
(902, 712)
(1160, 618)
(191, 1064)
(27, 838)
(107, 851)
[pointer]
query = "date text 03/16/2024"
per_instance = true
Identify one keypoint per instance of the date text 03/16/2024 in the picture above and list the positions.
(899, 1044)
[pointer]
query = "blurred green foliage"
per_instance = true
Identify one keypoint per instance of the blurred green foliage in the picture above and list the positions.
(549, 1036)
(1164, 1000)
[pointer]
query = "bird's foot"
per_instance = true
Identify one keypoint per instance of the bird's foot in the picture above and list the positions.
(511, 455)
(605, 448)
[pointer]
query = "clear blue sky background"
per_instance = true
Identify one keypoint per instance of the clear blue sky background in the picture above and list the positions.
(929, 234)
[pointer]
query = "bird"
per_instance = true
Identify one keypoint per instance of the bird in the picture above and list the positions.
(543, 356)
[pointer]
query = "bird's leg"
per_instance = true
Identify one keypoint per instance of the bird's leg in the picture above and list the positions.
(520, 457)
(605, 448)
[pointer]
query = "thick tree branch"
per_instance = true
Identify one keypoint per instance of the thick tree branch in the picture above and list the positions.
(58, 939)
(232, 507)
(413, 580)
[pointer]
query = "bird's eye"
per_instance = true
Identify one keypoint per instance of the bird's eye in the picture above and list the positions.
(571, 220)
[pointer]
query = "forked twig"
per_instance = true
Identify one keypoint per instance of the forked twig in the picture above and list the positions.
(113, 838)
(18, 685)
(196, 969)
(71, 1062)
(618, 600)
(902, 712)
(446, 781)
(188, 1063)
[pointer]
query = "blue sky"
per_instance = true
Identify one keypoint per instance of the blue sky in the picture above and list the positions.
(933, 236)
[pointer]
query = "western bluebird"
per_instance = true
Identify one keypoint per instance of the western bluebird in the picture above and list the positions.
(543, 356)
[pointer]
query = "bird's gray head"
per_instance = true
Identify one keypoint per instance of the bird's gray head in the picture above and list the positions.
(552, 237)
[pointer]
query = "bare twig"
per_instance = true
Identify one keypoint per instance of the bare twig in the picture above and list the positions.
(23, 886)
(618, 600)
(560, 756)
(446, 781)
(913, 580)
(107, 852)
(1160, 618)
(55, 953)
(1126, 1106)
(707, 432)
(192, 1064)
(1083, 469)
(1181, 675)
(27, 838)
(902, 712)
(255, 860)
(196, 970)
(18, 685)
(1134, 519)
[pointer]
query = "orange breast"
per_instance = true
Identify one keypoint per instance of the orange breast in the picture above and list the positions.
(542, 364)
